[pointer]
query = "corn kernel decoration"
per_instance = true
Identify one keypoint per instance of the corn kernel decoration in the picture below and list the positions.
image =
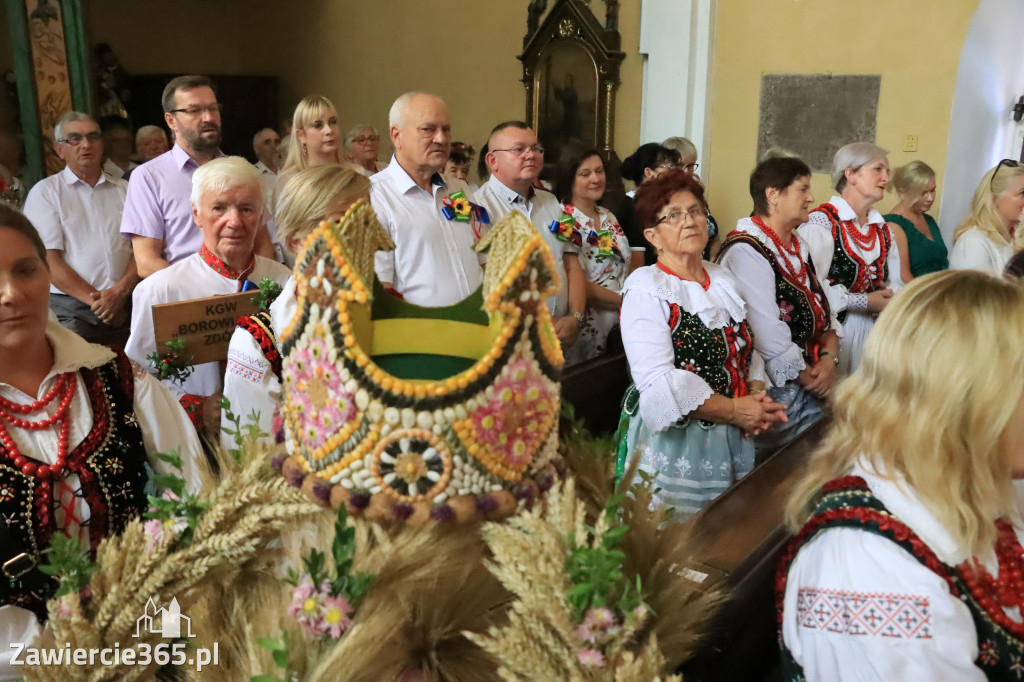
(413, 414)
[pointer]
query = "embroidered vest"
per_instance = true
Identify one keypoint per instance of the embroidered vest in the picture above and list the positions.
(259, 327)
(793, 300)
(720, 357)
(110, 462)
(846, 268)
(849, 503)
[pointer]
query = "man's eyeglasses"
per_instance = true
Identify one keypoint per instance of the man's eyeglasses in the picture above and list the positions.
(75, 139)
(695, 215)
(521, 151)
(199, 111)
(366, 140)
(1009, 163)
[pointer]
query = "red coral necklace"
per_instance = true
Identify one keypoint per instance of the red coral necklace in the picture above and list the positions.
(1006, 591)
(63, 391)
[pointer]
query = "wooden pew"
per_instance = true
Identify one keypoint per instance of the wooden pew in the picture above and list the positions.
(595, 388)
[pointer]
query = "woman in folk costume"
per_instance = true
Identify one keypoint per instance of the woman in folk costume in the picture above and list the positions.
(795, 331)
(252, 381)
(907, 559)
(852, 247)
(78, 430)
(698, 384)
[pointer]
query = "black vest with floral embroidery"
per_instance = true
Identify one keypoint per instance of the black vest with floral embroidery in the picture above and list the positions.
(848, 503)
(794, 307)
(721, 357)
(110, 462)
(845, 270)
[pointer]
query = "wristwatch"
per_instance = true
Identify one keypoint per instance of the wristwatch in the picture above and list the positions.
(835, 358)
(579, 317)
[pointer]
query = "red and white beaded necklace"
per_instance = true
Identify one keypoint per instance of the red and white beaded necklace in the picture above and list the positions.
(1006, 591)
(800, 278)
(63, 391)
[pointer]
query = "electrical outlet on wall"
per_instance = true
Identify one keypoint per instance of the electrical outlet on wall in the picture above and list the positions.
(910, 143)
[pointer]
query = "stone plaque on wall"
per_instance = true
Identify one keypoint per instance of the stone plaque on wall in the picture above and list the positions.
(815, 115)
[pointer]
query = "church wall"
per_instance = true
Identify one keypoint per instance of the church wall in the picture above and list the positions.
(915, 47)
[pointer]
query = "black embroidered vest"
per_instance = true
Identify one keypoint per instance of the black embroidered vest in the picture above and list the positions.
(721, 357)
(845, 269)
(110, 462)
(794, 307)
(849, 503)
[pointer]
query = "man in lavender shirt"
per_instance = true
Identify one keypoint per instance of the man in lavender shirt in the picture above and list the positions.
(158, 209)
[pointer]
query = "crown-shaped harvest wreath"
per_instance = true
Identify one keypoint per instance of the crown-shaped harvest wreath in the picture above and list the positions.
(407, 413)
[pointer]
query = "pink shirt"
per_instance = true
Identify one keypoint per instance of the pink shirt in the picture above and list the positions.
(158, 204)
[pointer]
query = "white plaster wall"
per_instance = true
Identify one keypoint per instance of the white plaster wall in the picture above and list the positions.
(988, 83)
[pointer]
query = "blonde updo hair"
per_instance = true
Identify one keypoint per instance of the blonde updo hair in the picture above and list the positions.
(910, 181)
(984, 214)
(852, 157)
(313, 194)
(225, 173)
(931, 404)
(681, 145)
(308, 110)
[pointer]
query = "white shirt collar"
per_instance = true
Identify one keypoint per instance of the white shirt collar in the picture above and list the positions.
(508, 194)
(404, 181)
(71, 178)
(847, 213)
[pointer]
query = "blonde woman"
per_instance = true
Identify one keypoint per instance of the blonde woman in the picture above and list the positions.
(984, 240)
(315, 139)
(907, 560)
(916, 233)
(252, 382)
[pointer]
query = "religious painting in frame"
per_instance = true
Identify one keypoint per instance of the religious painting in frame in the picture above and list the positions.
(566, 85)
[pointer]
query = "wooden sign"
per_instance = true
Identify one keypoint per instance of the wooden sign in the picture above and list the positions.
(204, 324)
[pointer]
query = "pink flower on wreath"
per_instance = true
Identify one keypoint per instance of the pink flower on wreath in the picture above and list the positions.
(509, 423)
(337, 616)
(600, 618)
(590, 658)
(306, 607)
(323, 404)
(154, 532)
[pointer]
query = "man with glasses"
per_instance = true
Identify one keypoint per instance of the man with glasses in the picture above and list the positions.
(433, 262)
(77, 213)
(515, 160)
(158, 211)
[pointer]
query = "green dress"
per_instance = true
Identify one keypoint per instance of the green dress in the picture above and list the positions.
(926, 255)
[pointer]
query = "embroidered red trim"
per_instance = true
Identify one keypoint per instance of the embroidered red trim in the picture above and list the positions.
(193, 405)
(706, 284)
(847, 612)
(222, 268)
(264, 336)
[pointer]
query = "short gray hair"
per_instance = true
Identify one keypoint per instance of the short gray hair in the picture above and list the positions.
(224, 173)
(852, 157)
(70, 117)
(355, 130)
(145, 131)
(396, 117)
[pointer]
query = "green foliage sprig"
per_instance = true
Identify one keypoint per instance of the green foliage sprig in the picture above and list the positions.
(68, 560)
(268, 292)
(173, 363)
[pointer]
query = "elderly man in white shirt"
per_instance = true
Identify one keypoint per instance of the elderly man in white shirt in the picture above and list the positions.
(515, 160)
(78, 215)
(227, 205)
(433, 263)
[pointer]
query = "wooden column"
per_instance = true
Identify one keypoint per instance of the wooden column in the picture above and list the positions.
(52, 74)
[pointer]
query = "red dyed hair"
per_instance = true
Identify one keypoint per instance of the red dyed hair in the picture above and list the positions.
(653, 195)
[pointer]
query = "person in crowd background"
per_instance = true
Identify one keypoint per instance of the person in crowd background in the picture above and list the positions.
(908, 507)
(795, 330)
(362, 144)
(227, 204)
(984, 239)
(688, 161)
(315, 137)
(117, 150)
(605, 253)
(515, 160)
(917, 235)
(433, 263)
(150, 142)
(157, 211)
(698, 384)
(852, 247)
(459, 161)
(648, 161)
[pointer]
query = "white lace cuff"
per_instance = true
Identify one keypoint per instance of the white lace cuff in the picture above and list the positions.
(672, 396)
(786, 367)
(856, 303)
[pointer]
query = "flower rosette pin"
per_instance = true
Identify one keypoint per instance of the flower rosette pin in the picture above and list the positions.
(564, 228)
(456, 206)
(604, 240)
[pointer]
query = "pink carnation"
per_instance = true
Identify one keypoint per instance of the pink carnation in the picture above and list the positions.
(590, 658)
